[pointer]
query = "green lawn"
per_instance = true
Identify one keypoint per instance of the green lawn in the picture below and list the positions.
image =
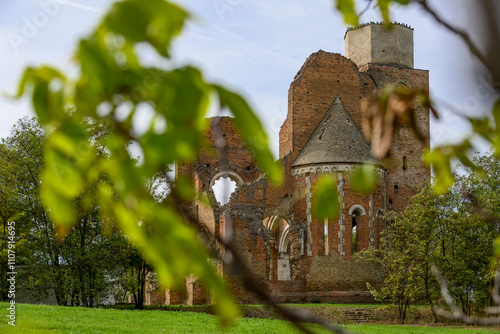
(53, 319)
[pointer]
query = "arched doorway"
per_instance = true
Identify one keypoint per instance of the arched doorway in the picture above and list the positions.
(279, 262)
(357, 228)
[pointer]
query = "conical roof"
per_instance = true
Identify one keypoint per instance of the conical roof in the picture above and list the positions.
(337, 139)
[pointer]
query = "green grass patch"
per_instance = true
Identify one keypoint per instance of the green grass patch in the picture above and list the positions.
(56, 319)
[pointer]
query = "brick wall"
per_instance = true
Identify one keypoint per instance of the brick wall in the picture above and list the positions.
(402, 184)
(333, 273)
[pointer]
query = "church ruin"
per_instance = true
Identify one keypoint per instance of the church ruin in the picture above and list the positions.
(298, 258)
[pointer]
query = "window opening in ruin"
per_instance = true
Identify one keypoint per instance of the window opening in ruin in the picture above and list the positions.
(404, 163)
(354, 234)
(223, 188)
(326, 243)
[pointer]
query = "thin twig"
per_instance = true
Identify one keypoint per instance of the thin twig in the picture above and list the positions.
(481, 211)
(462, 33)
(369, 2)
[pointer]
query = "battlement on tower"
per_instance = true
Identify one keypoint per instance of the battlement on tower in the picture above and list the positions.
(375, 43)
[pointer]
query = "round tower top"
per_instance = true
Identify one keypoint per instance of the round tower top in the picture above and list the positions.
(375, 43)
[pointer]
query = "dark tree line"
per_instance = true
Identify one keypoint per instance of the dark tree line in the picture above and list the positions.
(92, 262)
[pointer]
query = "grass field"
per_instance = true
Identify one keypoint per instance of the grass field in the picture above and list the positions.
(54, 319)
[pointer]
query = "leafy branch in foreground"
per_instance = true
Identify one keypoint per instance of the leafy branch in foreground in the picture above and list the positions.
(114, 87)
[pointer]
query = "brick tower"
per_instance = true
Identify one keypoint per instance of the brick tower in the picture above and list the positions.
(387, 56)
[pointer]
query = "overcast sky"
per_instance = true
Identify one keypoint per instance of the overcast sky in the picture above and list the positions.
(254, 46)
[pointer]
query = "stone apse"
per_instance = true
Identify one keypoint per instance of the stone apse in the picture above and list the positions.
(296, 257)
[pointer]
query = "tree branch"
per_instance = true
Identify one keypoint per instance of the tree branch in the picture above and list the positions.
(461, 33)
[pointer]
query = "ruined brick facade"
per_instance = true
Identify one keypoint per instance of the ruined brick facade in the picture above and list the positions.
(296, 257)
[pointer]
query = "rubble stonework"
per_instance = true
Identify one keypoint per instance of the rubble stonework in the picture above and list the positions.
(296, 257)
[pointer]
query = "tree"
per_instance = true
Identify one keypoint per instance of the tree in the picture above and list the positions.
(411, 241)
(441, 230)
(78, 267)
(22, 162)
(137, 276)
(7, 214)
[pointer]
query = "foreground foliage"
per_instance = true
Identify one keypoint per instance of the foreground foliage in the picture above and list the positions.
(116, 87)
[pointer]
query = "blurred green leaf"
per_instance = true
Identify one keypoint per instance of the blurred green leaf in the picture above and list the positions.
(439, 159)
(364, 179)
(99, 76)
(481, 126)
(497, 248)
(348, 10)
(65, 215)
(384, 8)
(496, 133)
(47, 86)
(153, 21)
(325, 197)
(184, 187)
(496, 114)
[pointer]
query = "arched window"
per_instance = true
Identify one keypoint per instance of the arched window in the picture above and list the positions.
(354, 234)
(326, 246)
